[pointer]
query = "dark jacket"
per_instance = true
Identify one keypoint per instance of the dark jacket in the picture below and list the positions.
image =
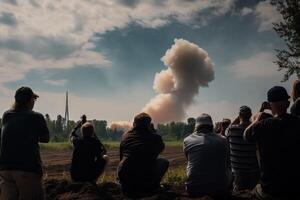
(139, 150)
(87, 160)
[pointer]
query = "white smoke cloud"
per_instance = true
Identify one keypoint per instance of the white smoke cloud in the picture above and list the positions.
(121, 126)
(188, 68)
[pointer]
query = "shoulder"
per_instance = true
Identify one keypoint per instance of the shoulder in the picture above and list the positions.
(7, 113)
(37, 114)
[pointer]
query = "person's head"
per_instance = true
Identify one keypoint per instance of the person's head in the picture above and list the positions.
(87, 129)
(204, 123)
(142, 121)
(296, 90)
(24, 98)
(224, 124)
(279, 100)
(218, 127)
(245, 114)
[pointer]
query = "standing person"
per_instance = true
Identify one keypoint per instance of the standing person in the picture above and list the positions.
(140, 170)
(207, 153)
(225, 123)
(20, 161)
(244, 164)
(295, 109)
(278, 141)
(89, 155)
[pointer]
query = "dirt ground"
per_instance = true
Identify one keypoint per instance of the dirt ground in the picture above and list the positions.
(57, 163)
(59, 187)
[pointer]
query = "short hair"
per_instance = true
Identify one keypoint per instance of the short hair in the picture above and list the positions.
(142, 120)
(225, 123)
(87, 129)
(245, 112)
(296, 90)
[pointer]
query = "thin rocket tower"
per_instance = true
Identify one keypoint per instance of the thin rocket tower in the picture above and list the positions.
(67, 110)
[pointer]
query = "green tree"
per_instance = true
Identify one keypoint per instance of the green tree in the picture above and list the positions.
(289, 30)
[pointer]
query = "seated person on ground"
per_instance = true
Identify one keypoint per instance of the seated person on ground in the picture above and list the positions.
(140, 170)
(278, 140)
(89, 155)
(207, 153)
(244, 164)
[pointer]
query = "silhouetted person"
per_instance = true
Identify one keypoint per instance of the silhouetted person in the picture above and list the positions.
(20, 161)
(244, 163)
(278, 140)
(89, 155)
(207, 153)
(140, 170)
(295, 109)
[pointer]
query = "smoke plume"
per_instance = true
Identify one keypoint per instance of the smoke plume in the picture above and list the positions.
(121, 126)
(188, 69)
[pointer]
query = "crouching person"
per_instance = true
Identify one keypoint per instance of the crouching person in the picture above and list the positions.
(207, 153)
(89, 155)
(140, 170)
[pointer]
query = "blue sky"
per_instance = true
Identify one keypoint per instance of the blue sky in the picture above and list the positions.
(106, 53)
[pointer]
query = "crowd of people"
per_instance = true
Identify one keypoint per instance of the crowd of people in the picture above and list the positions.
(256, 153)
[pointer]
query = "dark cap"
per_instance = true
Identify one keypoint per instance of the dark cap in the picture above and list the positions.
(277, 93)
(24, 94)
(245, 110)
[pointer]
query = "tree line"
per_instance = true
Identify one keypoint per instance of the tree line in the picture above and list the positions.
(60, 130)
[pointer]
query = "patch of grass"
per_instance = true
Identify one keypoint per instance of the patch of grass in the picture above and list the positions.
(175, 176)
(56, 146)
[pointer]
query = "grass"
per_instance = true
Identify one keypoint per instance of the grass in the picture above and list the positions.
(107, 144)
(175, 176)
(56, 146)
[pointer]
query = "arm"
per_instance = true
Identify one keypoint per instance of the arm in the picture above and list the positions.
(249, 133)
(43, 131)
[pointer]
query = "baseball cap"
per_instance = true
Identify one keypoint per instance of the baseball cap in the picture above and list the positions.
(204, 119)
(24, 94)
(277, 93)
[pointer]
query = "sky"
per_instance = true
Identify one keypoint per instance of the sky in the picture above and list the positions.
(106, 53)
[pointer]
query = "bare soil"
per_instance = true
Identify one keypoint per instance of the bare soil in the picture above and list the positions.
(59, 187)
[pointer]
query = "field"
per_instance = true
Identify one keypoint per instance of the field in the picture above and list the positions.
(57, 157)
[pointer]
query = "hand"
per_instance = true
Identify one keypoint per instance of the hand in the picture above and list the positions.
(265, 106)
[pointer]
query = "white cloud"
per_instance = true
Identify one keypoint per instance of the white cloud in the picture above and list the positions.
(57, 34)
(266, 14)
(246, 11)
(56, 82)
(258, 65)
(15, 64)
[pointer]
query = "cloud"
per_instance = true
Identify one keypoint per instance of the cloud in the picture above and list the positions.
(56, 82)
(188, 69)
(15, 64)
(8, 19)
(121, 125)
(258, 65)
(57, 34)
(246, 11)
(266, 14)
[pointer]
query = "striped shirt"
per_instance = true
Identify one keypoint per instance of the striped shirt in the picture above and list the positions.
(242, 153)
